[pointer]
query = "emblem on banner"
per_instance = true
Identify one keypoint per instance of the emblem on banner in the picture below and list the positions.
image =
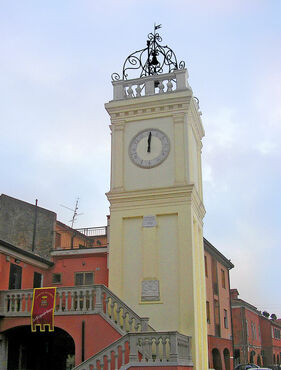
(43, 306)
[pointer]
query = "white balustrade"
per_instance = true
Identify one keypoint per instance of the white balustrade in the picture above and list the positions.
(151, 85)
(169, 348)
(78, 300)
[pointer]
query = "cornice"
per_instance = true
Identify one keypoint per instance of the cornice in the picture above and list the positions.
(197, 114)
(24, 256)
(149, 106)
(237, 303)
(196, 122)
(219, 256)
(161, 197)
(77, 251)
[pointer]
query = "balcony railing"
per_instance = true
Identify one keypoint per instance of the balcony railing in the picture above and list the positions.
(94, 299)
(93, 231)
(150, 85)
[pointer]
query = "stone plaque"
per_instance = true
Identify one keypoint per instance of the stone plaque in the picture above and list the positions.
(149, 221)
(150, 290)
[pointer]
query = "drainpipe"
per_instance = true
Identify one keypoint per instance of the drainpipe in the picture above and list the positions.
(232, 335)
(83, 341)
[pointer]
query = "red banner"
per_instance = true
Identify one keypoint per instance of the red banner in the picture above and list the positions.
(43, 306)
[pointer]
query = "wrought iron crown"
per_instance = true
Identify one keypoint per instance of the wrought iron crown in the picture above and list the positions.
(152, 60)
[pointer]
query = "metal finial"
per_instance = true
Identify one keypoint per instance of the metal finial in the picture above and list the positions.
(152, 60)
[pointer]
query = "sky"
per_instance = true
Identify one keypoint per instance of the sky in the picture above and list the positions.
(56, 59)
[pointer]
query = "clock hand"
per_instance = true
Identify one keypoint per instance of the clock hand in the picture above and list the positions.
(148, 142)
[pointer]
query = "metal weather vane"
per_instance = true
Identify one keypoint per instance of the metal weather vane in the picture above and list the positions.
(152, 60)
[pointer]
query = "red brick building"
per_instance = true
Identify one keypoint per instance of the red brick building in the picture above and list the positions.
(257, 339)
(220, 347)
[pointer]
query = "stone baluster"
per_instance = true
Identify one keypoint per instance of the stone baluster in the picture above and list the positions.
(84, 300)
(13, 302)
(118, 309)
(72, 297)
(125, 324)
(137, 326)
(107, 306)
(6, 303)
(130, 92)
(169, 86)
(157, 342)
(161, 87)
(112, 310)
(164, 343)
(91, 299)
(138, 91)
(67, 294)
(21, 302)
(130, 322)
(60, 296)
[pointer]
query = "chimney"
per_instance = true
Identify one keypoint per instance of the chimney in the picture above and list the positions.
(234, 294)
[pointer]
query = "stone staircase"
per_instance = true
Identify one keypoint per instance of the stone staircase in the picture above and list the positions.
(139, 345)
(145, 349)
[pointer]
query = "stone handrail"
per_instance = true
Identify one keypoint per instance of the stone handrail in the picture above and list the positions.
(150, 85)
(117, 311)
(169, 348)
(92, 299)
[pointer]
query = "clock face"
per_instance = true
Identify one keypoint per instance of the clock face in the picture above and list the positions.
(149, 148)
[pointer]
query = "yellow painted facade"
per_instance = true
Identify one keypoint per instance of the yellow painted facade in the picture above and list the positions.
(159, 270)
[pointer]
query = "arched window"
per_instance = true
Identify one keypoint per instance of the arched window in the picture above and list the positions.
(252, 357)
(226, 356)
(217, 365)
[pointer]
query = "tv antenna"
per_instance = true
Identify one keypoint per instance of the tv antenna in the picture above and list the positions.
(75, 214)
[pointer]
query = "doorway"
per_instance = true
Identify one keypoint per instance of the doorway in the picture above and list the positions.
(39, 350)
(15, 276)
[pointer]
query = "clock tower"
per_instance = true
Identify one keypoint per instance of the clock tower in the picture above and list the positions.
(156, 257)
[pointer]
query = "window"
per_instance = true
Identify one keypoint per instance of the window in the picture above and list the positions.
(253, 329)
(84, 278)
(223, 278)
(277, 333)
(58, 240)
(247, 328)
(206, 266)
(208, 312)
(225, 319)
(56, 279)
(37, 280)
(15, 276)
